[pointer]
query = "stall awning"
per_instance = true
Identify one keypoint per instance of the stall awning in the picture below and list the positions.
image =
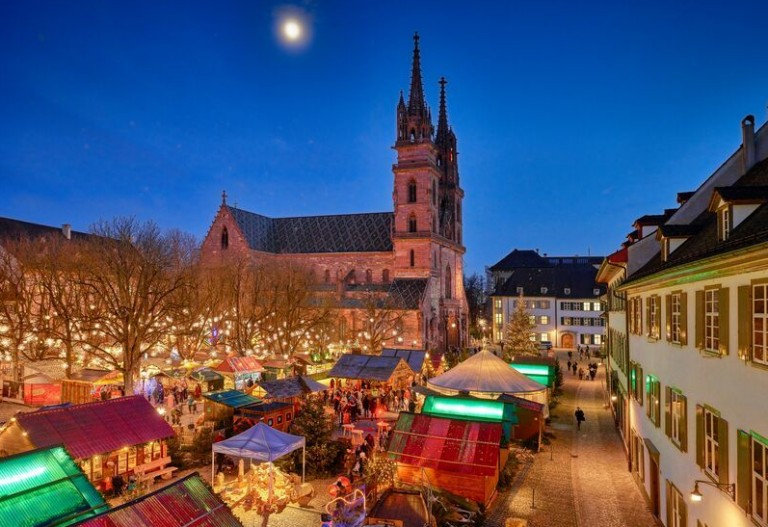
(239, 365)
(96, 428)
(260, 442)
(232, 398)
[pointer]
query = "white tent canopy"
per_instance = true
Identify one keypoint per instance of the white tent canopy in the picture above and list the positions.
(486, 375)
(261, 442)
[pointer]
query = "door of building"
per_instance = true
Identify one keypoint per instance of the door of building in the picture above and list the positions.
(567, 340)
(655, 489)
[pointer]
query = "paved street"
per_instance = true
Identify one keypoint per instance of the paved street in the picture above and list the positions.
(581, 479)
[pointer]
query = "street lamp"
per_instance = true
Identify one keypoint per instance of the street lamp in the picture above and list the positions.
(696, 496)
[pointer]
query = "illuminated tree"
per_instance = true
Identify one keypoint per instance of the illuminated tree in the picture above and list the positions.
(517, 338)
(382, 322)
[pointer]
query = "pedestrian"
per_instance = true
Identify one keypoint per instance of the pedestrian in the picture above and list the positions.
(569, 364)
(579, 413)
(192, 404)
(581, 373)
(574, 367)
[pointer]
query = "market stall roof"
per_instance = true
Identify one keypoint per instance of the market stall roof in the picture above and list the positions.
(89, 375)
(52, 369)
(185, 503)
(414, 358)
(260, 442)
(266, 407)
(291, 387)
(45, 487)
(450, 445)
(486, 373)
(239, 365)
(206, 374)
(522, 403)
(232, 398)
(369, 367)
(95, 428)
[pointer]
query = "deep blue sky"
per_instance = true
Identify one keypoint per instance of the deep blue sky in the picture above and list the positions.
(573, 118)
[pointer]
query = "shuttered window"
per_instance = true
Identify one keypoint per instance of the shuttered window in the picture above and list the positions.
(675, 318)
(654, 315)
(711, 444)
(677, 511)
(676, 418)
(760, 323)
(711, 321)
(759, 480)
(652, 393)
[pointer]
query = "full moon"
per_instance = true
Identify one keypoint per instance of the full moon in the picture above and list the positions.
(292, 30)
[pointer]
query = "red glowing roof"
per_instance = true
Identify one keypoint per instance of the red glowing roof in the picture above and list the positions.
(186, 503)
(239, 365)
(96, 428)
(448, 445)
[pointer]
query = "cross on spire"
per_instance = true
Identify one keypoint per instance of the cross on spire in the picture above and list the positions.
(223, 197)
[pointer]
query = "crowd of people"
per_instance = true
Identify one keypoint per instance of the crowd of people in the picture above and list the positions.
(367, 402)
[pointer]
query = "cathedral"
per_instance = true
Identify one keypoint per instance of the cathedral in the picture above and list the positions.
(411, 258)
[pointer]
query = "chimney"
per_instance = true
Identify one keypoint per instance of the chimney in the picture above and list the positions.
(748, 142)
(66, 230)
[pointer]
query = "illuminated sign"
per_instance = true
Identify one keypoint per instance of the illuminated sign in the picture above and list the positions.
(488, 410)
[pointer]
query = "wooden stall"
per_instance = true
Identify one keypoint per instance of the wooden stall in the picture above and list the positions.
(220, 406)
(276, 415)
(356, 368)
(88, 385)
(240, 372)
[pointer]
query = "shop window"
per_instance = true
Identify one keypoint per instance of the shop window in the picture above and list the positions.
(270, 421)
(279, 419)
(288, 416)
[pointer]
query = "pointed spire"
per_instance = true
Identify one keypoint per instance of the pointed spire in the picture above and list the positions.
(401, 103)
(223, 197)
(442, 119)
(416, 96)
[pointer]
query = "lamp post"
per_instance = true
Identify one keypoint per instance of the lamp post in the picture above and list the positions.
(696, 496)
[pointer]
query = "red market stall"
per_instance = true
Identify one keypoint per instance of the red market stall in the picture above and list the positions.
(240, 372)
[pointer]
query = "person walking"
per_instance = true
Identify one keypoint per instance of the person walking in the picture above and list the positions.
(579, 413)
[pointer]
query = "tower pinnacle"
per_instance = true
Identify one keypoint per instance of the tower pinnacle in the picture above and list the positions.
(442, 119)
(416, 103)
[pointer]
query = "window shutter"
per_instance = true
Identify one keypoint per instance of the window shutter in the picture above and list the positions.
(657, 393)
(648, 302)
(684, 319)
(722, 437)
(668, 316)
(684, 424)
(723, 319)
(744, 471)
(700, 320)
(669, 503)
(640, 384)
(700, 436)
(639, 328)
(683, 513)
(745, 321)
(668, 411)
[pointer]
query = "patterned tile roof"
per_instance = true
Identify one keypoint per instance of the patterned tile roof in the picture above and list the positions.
(188, 502)
(407, 293)
(96, 428)
(370, 232)
(45, 487)
(449, 445)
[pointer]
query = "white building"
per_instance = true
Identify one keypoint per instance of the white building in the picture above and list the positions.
(559, 292)
(697, 324)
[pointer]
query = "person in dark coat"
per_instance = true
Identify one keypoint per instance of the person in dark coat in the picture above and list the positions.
(579, 414)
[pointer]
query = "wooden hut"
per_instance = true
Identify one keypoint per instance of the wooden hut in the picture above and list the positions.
(460, 457)
(117, 436)
(417, 360)
(88, 385)
(220, 406)
(277, 415)
(41, 383)
(390, 370)
(240, 372)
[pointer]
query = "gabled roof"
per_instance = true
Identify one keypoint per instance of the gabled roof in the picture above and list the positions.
(45, 487)
(448, 445)
(414, 358)
(369, 367)
(188, 502)
(291, 387)
(16, 229)
(232, 398)
(368, 232)
(519, 258)
(746, 194)
(677, 231)
(96, 428)
(235, 364)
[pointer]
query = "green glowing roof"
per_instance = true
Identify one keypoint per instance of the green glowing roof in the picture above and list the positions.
(541, 373)
(45, 488)
(484, 410)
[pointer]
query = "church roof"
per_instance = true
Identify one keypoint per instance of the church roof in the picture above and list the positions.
(367, 232)
(407, 293)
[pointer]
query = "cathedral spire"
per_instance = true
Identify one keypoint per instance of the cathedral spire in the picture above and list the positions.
(416, 102)
(442, 119)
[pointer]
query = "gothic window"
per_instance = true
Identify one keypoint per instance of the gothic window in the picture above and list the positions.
(413, 258)
(412, 223)
(385, 276)
(434, 193)
(224, 238)
(368, 276)
(448, 284)
(439, 160)
(327, 277)
(413, 135)
(412, 191)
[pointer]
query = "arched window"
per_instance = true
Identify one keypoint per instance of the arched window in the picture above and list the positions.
(413, 135)
(412, 191)
(224, 238)
(385, 276)
(413, 258)
(448, 282)
(412, 223)
(368, 276)
(327, 276)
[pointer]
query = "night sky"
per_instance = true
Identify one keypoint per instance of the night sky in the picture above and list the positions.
(572, 118)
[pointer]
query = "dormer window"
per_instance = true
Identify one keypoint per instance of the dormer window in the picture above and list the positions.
(519, 290)
(723, 223)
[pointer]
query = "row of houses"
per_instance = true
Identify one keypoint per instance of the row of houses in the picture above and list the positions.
(687, 345)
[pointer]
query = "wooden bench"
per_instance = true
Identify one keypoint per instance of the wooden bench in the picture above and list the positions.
(149, 471)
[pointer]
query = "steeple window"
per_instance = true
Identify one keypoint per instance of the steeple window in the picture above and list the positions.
(413, 258)
(412, 191)
(412, 223)
(368, 276)
(448, 282)
(224, 238)
(385, 276)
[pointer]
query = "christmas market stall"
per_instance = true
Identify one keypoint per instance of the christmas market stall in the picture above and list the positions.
(456, 456)
(240, 372)
(474, 409)
(220, 406)
(276, 368)
(416, 359)
(274, 414)
(115, 437)
(184, 503)
(288, 390)
(45, 487)
(267, 484)
(208, 379)
(487, 376)
(315, 365)
(355, 369)
(88, 385)
(540, 369)
(42, 382)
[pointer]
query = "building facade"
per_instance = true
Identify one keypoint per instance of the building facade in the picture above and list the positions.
(696, 295)
(560, 293)
(412, 256)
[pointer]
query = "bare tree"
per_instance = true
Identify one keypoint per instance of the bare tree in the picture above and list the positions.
(131, 277)
(383, 322)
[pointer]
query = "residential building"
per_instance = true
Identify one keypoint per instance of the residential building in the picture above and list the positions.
(559, 292)
(412, 256)
(697, 328)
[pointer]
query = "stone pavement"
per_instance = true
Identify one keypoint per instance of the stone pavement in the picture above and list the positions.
(581, 478)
